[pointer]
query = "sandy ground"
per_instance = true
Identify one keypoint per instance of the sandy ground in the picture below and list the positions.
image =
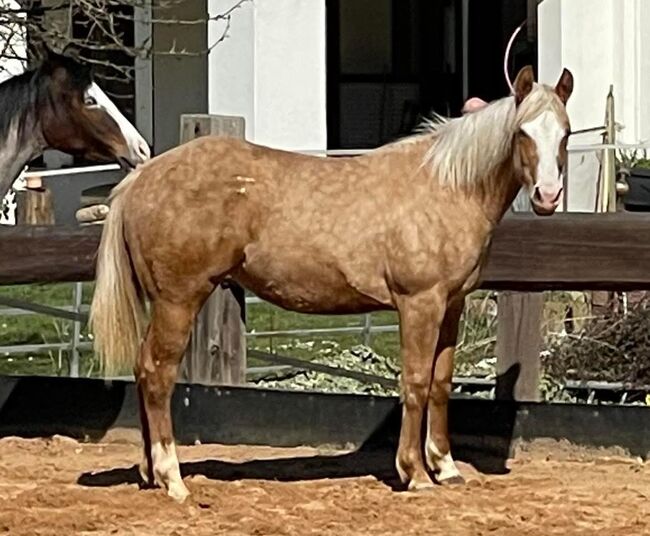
(61, 487)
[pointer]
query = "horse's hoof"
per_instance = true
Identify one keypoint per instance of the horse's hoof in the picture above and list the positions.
(421, 485)
(456, 480)
(143, 470)
(178, 492)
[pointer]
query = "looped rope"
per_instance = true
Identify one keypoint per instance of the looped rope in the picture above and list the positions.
(506, 56)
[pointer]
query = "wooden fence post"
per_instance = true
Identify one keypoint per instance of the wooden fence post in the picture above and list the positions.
(519, 342)
(519, 338)
(216, 353)
(34, 205)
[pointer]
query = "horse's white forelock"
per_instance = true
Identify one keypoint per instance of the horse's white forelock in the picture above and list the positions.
(466, 149)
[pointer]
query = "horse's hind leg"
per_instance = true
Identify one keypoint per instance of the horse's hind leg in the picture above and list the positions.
(437, 448)
(156, 372)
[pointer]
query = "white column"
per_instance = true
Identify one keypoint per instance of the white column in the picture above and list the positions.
(271, 71)
(290, 88)
(231, 63)
(602, 42)
(143, 73)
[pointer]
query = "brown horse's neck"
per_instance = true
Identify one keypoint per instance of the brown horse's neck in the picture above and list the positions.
(15, 153)
(21, 143)
(21, 138)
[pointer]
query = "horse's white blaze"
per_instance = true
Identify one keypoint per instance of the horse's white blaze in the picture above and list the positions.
(138, 147)
(167, 472)
(547, 133)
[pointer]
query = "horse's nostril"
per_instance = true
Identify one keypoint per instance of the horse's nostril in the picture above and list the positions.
(550, 196)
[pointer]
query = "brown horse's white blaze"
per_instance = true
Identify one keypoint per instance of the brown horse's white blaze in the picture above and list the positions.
(423, 210)
(57, 105)
(135, 149)
(93, 127)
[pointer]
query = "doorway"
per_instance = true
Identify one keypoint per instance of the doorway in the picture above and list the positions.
(391, 62)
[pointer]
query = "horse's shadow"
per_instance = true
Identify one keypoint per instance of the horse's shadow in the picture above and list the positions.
(300, 468)
(376, 457)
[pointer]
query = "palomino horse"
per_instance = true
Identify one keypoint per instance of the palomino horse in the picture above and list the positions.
(58, 106)
(405, 227)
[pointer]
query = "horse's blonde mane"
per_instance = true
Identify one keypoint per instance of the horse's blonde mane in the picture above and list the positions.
(465, 149)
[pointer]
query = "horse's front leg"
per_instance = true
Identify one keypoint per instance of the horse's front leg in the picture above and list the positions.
(420, 317)
(437, 448)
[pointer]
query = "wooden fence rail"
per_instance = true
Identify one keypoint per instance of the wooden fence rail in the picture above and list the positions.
(529, 253)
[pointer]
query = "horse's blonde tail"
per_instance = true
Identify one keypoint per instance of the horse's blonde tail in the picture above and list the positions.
(117, 313)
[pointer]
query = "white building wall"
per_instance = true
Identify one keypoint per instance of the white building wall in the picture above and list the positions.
(271, 71)
(602, 42)
(231, 64)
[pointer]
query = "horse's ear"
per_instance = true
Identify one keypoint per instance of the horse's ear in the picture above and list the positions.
(71, 50)
(564, 87)
(40, 52)
(524, 83)
(47, 55)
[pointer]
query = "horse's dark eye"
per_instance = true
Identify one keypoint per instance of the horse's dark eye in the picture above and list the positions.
(89, 100)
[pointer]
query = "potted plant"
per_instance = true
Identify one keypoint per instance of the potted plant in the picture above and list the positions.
(635, 167)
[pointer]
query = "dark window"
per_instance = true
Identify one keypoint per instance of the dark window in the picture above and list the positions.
(392, 61)
(112, 67)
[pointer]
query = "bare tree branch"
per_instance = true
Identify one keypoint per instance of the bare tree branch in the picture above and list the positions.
(99, 31)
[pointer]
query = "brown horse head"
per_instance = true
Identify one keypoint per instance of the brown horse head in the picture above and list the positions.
(77, 117)
(541, 139)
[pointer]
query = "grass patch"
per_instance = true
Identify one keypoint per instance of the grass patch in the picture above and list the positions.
(567, 325)
(35, 329)
(475, 340)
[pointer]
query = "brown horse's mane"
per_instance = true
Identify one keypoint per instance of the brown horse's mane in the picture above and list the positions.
(20, 94)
